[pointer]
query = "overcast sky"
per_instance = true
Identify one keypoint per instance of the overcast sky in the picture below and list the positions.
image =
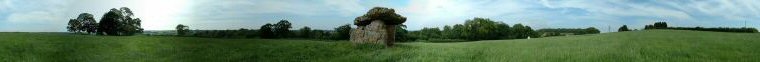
(53, 15)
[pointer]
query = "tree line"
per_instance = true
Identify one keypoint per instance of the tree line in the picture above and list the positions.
(116, 22)
(567, 31)
(664, 25)
(474, 29)
(279, 30)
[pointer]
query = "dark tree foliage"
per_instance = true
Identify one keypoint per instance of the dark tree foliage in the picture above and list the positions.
(660, 25)
(241, 33)
(448, 32)
(592, 30)
(305, 32)
(343, 32)
(119, 22)
(74, 26)
(402, 35)
(89, 23)
(323, 34)
(567, 31)
(663, 25)
(282, 29)
(476, 29)
(84, 23)
(623, 28)
(266, 31)
(657, 25)
(427, 33)
(649, 27)
(182, 30)
(522, 32)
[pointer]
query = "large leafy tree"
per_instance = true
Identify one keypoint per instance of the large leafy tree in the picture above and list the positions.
(119, 22)
(182, 30)
(521, 32)
(623, 28)
(89, 24)
(74, 26)
(592, 30)
(266, 31)
(282, 29)
(84, 23)
(482, 29)
(660, 25)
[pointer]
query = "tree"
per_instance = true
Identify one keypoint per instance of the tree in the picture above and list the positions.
(592, 30)
(623, 28)
(119, 22)
(305, 32)
(182, 30)
(649, 27)
(89, 24)
(282, 29)
(428, 33)
(84, 23)
(660, 25)
(531, 33)
(503, 30)
(461, 31)
(74, 26)
(447, 32)
(521, 32)
(402, 34)
(559, 31)
(482, 28)
(343, 32)
(266, 31)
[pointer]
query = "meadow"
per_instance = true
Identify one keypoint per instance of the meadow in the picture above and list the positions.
(633, 46)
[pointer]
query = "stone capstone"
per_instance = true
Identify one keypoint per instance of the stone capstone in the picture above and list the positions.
(387, 15)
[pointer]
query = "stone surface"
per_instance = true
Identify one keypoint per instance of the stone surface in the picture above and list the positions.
(376, 27)
(387, 15)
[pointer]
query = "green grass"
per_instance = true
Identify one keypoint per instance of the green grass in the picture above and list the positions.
(636, 46)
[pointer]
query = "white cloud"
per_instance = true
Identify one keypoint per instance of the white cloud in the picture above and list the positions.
(346, 7)
(437, 13)
(728, 9)
(622, 8)
(34, 17)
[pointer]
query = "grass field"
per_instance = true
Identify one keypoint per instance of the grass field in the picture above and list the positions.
(636, 46)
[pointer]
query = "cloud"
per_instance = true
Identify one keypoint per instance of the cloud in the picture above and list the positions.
(346, 7)
(728, 9)
(35, 21)
(34, 17)
(624, 9)
(437, 13)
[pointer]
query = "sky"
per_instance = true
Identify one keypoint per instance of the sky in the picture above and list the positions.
(53, 15)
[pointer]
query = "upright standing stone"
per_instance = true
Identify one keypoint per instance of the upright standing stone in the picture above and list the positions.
(378, 26)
